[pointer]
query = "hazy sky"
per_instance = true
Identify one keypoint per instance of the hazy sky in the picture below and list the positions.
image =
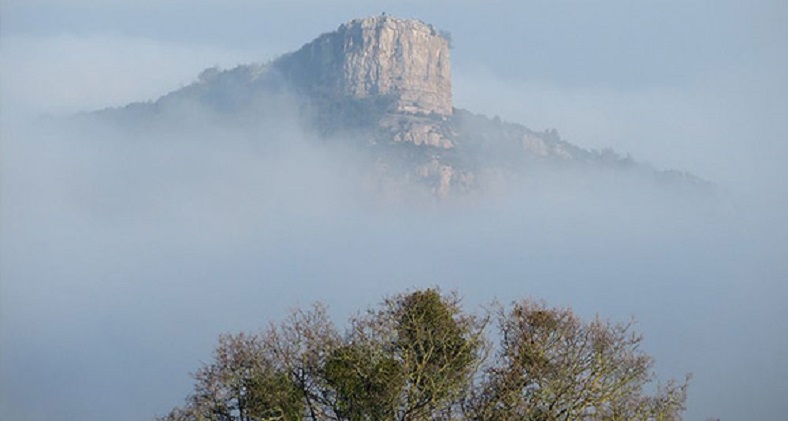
(121, 259)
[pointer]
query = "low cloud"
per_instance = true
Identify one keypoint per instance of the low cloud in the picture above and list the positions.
(123, 256)
(70, 73)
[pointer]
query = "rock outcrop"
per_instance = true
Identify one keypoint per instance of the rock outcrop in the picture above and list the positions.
(406, 61)
(382, 85)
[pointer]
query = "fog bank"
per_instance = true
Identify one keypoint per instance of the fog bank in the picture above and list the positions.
(122, 257)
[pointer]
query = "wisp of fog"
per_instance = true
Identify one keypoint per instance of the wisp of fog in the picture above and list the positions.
(124, 257)
(123, 254)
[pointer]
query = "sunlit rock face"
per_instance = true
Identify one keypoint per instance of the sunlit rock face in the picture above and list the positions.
(406, 61)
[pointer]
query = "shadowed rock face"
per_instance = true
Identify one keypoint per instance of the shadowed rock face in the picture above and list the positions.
(406, 61)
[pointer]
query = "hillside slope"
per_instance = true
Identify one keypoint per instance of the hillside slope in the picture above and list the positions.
(382, 85)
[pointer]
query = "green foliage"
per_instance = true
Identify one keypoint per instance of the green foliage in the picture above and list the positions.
(439, 348)
(272, 396)
(367, 383)
(420, 357)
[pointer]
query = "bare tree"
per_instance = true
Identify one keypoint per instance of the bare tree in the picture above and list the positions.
(419, 356)
(553, 366)
(273, 375)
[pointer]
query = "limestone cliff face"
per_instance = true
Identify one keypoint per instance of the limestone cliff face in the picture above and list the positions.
(406, 61)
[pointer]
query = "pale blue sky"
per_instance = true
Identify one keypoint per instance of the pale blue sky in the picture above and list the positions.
(121, 259)
(613, 43)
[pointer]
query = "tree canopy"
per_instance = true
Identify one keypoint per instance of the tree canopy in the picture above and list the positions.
(420, 356)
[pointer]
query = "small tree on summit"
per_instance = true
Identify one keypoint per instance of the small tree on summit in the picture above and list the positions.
(420, 357)
(447, 36)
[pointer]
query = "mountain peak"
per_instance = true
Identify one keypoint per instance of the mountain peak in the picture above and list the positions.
(383, 85)
(404, 60)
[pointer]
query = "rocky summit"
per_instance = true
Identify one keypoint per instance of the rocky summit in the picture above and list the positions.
(383, 85)
(401, 63)
(405, 60)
